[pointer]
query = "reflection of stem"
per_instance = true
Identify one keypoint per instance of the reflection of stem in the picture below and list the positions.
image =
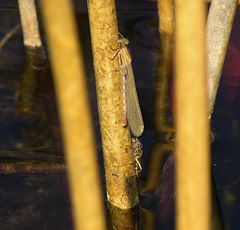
(9, 34)
(25, 98)
(123, 219)
(229, 199)
(217, 219)
(149, 219)
(28, 167)
(158, 154)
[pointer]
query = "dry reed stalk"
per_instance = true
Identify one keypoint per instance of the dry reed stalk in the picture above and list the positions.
(192, 124)
(219, 26)
(71, 90)
(118, 156)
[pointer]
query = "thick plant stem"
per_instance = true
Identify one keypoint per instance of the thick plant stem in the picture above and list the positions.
(219, 26)
(192, 124)
(71, 90)
(118, 157)
(166, 29)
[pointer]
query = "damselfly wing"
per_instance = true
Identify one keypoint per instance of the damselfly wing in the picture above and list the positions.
(133, 111)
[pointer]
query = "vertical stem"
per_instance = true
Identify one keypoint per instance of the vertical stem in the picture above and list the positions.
(29, 22)
(166, 28)
(69, 79)
(31, 34)
(36, 56)
(192, 125)
(118, 157)
(219, 26)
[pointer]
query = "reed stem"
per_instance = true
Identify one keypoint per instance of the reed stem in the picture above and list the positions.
(192, 124)
(118, 156)
(71, 90)
(219, 26)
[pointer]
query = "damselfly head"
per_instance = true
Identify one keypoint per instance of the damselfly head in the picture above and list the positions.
(123, 42)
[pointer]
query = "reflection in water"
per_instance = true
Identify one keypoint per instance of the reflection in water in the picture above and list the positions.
(123, 219)
(147, 219)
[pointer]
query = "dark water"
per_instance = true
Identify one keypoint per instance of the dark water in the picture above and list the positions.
(41, 201)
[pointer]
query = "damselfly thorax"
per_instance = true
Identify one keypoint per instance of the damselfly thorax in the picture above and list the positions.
(131, 103)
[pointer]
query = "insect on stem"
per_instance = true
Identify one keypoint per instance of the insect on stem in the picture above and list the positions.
(132, 111)
(137, 152)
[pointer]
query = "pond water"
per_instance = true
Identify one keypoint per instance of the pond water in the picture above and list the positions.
(41, 200)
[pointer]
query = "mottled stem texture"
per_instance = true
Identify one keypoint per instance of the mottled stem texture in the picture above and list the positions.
(118, 156)
(219, 26)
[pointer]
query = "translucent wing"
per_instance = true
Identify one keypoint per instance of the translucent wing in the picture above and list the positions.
(134, 114)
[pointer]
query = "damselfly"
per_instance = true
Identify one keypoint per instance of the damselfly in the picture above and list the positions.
(131, 103)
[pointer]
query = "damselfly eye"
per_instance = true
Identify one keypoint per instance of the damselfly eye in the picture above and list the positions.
(126, 42)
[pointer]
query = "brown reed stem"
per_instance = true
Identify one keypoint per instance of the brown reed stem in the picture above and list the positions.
(71, 90)
(192, 124)
(118, 157)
